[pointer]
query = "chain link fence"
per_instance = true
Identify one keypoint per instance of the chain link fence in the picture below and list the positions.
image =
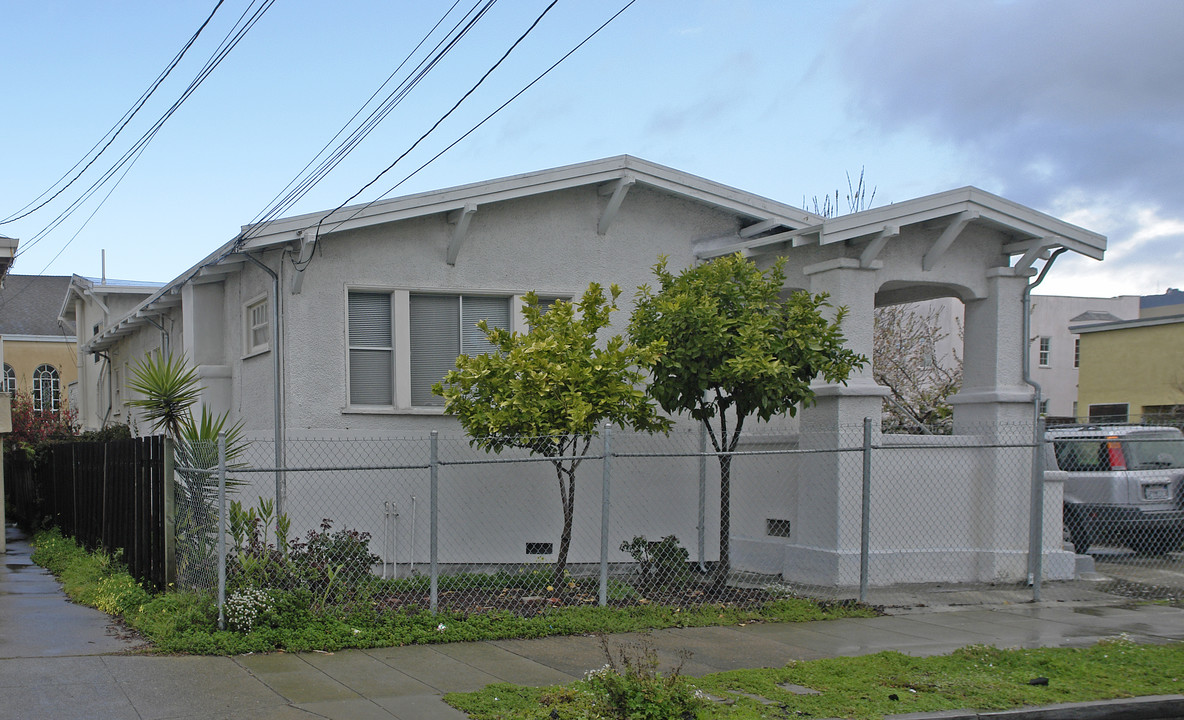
(626, 518)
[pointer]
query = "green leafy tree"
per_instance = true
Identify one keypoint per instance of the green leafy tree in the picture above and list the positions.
(734, 349)
(550, 389)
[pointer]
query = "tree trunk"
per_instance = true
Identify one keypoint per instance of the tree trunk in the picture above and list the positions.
(725, 520)
(567, 492)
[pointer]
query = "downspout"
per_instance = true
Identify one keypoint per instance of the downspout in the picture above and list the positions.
(164, 334)
(110, 387)
(1036, 518)
(277, 387)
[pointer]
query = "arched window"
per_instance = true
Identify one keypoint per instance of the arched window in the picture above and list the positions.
(46, 389)
(8, 382)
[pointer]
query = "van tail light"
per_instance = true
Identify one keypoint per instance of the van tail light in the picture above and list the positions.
(1117, 459)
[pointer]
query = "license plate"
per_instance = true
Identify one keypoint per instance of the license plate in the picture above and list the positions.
(1155, 492)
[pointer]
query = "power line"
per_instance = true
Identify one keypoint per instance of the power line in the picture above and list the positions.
(459, 30)
(228, 43)
(473, 129)
(113, 133)
(443, 117)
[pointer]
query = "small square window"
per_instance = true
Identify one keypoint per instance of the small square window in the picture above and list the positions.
(257, 326)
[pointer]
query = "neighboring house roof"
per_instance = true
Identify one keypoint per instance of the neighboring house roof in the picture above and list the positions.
(1096, 316)
(29, 306)
(82, 287)
(1171, 297)
(1128, 324)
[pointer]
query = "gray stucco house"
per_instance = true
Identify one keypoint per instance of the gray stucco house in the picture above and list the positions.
(337, 325)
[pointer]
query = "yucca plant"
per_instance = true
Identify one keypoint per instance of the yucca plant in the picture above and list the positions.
(169, 389)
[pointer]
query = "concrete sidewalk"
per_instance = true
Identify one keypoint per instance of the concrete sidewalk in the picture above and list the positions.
(59, 660)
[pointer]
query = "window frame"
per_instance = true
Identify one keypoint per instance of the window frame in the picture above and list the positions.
(250, 348)
(1076, 352)
(401, 340)
(1044, 351)
(8, 380)
(38, 390)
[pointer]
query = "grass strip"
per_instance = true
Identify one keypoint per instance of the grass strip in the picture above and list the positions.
(872, 686)
(182, 621)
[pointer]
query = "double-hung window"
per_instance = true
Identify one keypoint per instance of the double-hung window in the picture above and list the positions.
(1045, 352)
(395, 367)
(256, 326)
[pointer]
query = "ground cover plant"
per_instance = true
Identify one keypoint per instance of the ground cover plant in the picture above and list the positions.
(324, 617)
(976, 677)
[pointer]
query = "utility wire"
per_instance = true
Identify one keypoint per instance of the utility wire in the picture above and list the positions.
(233, 37)
(470, 131)
(392, 100)
(444, 117)
(111, 134)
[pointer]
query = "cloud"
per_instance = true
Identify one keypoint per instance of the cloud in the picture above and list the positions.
(1050, 94)
(1071, 106)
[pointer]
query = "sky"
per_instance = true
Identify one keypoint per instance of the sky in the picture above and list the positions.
(1072, 107)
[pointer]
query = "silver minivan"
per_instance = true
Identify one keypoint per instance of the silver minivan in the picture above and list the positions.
(1125, 485)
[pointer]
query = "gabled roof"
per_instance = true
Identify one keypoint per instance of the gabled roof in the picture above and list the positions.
(29, 306)
(82, 287)
(1034, 232)
(614, 176)
(1096, 316)
(608, 173)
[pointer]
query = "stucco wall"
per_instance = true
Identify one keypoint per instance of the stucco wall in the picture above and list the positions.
(1138, 366)
(1051, 317)
(26, 355)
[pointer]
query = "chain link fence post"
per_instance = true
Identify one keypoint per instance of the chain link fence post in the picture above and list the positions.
(434, 512)
(1036, 521)
(604, 513)
(221, 531)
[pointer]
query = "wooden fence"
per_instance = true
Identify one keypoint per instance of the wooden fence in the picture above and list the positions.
(116, 495)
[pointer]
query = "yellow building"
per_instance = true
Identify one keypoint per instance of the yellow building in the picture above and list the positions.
(39, 351)
(1132, 371)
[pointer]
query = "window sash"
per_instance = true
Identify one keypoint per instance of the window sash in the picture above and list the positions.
(371, 349)
(258, 327)
(444, 327)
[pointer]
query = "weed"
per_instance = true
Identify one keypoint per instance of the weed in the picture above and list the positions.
(633, 688)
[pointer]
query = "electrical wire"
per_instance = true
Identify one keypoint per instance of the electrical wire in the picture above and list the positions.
(114, 132)
(233, 37)
(470, 131)
(444, 117)
(392, 100)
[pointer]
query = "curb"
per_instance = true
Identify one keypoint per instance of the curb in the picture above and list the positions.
(1154, 707)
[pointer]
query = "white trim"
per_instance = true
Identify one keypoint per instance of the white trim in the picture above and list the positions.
(40, 338)
(248, 324)
(401, 340)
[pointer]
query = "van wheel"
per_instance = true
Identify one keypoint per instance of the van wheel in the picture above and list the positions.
(1075, 526)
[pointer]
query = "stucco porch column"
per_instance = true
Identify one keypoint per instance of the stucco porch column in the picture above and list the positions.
(824, 544)
(994, 398)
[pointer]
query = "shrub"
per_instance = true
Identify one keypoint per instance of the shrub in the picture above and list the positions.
(634, 689)
(663, 562)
